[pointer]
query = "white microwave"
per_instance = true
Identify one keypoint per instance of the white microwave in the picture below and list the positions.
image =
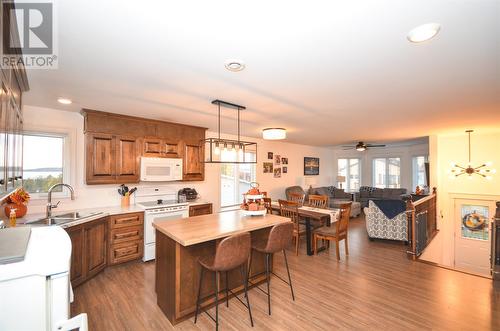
(157, 169)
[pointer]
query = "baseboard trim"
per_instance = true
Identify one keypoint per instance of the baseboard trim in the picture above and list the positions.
(453, 269)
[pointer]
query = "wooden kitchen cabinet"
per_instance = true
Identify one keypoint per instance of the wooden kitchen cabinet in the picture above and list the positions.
(126, 238)
(115, 143)
(89, 249)
(156, 147)
(197, 210)
(193, 165)
(111, 159)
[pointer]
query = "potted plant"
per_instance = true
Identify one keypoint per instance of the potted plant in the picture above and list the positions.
(17, 200)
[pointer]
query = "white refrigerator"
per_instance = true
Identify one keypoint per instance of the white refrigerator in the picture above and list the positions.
(35, 292)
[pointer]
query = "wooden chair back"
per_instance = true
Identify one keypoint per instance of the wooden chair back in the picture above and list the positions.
(296, 197)
(318, 201)
(290, 209)
(267, 204)
(343, 222)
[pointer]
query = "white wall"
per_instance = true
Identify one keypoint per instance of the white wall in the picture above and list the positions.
(51, 120)
(447, 148)
(405, 153)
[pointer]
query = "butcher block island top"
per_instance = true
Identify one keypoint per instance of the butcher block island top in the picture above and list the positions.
(198, 229)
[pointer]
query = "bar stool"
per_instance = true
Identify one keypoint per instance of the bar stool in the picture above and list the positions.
(279, 238)
(231, 253)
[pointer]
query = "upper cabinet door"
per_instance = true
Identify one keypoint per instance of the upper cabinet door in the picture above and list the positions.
(100, 158)
(127, 159)
(193, 166)
(152, 147)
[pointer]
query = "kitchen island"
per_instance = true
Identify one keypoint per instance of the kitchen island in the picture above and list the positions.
(180, 243)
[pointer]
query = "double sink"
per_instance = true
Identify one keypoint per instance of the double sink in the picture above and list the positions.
(63, 218)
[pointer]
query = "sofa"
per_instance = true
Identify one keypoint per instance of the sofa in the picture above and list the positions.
(335, 195)
(379, 225)
(367, 193)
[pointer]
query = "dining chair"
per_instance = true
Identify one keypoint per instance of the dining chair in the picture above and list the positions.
(296, 197)
(318, 201)
(290, 209)
(267, 204)
(335, 232)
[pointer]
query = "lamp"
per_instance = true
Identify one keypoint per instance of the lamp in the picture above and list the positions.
(274, 133)
(221, 150)
(340, 180)
(482, 170)
(310, 181)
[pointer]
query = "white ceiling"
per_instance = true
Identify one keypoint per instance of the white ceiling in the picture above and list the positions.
(331, 72)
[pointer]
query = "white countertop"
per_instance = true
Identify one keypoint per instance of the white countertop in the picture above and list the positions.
(48, 253)
(102, 212)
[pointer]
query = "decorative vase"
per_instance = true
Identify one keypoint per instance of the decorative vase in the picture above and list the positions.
(21, 209)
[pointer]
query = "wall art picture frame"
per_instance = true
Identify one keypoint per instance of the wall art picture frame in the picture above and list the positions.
(267, 167)
(269, 155)
(277, 160)
(284, 170)
(284, 160)
(311, 166)
(277, 172)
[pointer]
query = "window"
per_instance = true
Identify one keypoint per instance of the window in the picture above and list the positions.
(418, 171)
(387, 172)
(351, 170)
(43, 162)
(235, 180)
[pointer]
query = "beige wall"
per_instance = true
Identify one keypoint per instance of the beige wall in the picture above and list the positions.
(452, 147)
(70, 123)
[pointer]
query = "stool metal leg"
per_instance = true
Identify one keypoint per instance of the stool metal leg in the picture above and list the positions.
(244, 274)
(217, 300)
(227, 289)
(198, 299)
(289, 278)
(268, 280)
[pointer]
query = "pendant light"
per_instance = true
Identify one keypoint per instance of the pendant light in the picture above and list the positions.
(483, 170)
(221, 150)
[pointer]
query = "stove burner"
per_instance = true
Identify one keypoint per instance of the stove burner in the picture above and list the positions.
(159, 201)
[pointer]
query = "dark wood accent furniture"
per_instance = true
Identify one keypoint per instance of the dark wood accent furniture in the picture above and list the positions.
(289, 209)
(126, 238)
(336, 232)
(114, 144)
(197, 210)
(179, 245)
(89, 248)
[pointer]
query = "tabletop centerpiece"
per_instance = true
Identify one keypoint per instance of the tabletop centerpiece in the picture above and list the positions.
(253, 202)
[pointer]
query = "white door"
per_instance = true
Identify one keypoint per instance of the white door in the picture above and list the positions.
(473, 235)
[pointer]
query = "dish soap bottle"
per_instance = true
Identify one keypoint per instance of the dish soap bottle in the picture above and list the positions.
(12, 218)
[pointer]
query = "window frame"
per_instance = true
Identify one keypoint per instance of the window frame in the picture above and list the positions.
(414, 175)
(386, 160)
(347, 186)
(237, 187)
(66, 160)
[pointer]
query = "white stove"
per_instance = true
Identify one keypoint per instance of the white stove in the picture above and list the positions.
(159, 205)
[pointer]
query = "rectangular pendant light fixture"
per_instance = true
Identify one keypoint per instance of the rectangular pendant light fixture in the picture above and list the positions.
(221, 150)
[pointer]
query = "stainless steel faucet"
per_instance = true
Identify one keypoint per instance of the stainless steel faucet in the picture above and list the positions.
(50, 206)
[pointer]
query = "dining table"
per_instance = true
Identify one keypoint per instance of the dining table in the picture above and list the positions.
(310, 214)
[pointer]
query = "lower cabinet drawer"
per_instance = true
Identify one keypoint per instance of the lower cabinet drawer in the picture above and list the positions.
(121, 235)
(124, 252)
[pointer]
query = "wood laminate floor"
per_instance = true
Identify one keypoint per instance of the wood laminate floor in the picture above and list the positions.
(376, 287)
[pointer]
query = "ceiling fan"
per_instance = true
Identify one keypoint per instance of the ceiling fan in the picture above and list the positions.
(361, 146)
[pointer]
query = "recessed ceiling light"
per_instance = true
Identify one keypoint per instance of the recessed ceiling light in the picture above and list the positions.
(234, 65)
(64, 101)
(423, 32)
(274, 133)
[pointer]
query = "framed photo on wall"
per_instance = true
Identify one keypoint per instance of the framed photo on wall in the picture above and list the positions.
(311, 166)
